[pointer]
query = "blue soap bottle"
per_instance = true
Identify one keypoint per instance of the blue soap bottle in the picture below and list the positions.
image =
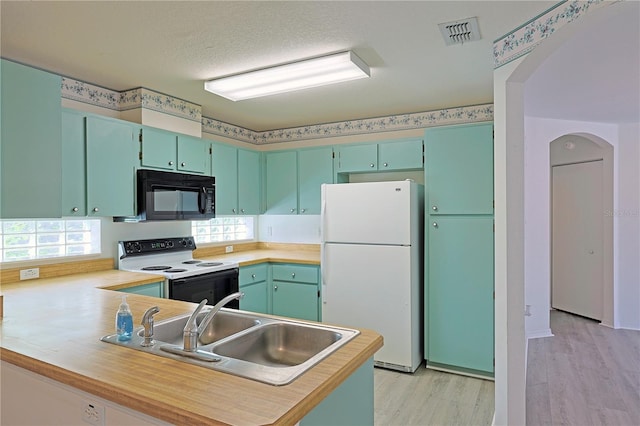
(124, 321)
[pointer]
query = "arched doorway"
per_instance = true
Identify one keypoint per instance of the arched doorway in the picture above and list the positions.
(581, 230)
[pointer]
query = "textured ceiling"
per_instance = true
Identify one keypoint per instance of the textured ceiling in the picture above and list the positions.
(171, 47)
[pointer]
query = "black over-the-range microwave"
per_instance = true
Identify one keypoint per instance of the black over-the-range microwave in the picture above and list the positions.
(173, 196)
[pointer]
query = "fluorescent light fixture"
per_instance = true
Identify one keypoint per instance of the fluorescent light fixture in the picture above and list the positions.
(313, 72)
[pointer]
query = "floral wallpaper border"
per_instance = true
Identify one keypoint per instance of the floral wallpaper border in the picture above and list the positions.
(459, 115)
(525, 38)
(129, 99)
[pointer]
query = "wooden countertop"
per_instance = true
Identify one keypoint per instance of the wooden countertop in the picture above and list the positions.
(52, 327)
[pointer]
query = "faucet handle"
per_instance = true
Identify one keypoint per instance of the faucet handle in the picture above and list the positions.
(147, 322)
(147, 317)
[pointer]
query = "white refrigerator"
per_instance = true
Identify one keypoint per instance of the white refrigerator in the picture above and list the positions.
(371, 264)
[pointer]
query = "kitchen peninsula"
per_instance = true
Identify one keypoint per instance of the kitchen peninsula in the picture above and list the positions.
(51, 330)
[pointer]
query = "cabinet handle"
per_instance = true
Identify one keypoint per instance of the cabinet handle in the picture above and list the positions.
(233, 210)
(435, 224)
(293, 275)
(75, 209)
(171, 163)
(434, 208)
(372, 165)
(293, 210)
(303, 210)
(386, 164)
(253, 276)
(242, 211)
(183, 164)
(96, 210)
(275, 288)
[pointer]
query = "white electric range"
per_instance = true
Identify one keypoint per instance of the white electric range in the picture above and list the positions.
(186, 278)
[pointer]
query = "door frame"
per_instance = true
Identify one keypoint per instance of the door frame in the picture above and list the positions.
(578, 148)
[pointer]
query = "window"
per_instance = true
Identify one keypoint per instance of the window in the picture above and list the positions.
(28, 239)
(234, 228)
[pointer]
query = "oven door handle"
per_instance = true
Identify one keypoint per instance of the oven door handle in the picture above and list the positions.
(202, 200)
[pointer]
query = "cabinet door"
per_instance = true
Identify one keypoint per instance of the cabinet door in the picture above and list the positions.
(31, 143)
(153, 289)
(248, 182)
(281, 185)
(459, 169)
(255, 298)
(74, 186)
(224, 167)
(460, 292)
(315, 167)
(400, 155)
(111, 158)
(357, 158)
(295, 300)
(158, 149)
(193, 155)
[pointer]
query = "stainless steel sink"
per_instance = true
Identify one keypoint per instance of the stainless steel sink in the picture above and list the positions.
(270, 350)
(278, 344)
(224, 324)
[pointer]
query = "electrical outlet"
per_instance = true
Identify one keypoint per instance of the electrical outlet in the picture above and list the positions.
(228, 249)
(93, 414)
(29, 274)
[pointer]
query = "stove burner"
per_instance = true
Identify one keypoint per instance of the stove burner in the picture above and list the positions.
(209, 264)
(156, 268)
(191, 262)
(173, 271)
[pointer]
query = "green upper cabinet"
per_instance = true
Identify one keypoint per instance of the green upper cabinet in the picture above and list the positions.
(315, 167)
(392, 155)
(158, 149)
(193, 155)
(459, 169)
(112, 155)
(74, 187)
(356, 158)
(293, 180)
(224, 167)
(31, 182)
(281, 176)
(400, 155)
(249, 182)
(165, 150)
(237, 173)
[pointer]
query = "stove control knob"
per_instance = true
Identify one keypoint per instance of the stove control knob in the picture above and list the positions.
(184, 243)
(137, 247)
(169, 244)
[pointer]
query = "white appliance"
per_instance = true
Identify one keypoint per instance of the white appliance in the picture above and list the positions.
(371, 261)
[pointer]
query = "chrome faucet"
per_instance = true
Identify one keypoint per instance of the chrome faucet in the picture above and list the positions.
(192, 330)
(147, 323)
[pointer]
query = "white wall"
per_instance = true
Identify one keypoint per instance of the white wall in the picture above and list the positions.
(626, 220)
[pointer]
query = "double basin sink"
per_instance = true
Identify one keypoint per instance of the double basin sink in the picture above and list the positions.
(270, 350)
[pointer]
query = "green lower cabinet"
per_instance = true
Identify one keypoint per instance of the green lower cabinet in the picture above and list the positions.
(349, 405)
(288, 290)
(295, 300)
(253, 283)
(153, 289)
(459, 296)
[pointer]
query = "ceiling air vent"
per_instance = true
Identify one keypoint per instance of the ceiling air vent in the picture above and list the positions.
(460, 32)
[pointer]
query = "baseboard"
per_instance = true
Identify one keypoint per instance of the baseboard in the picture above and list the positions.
(536, 334)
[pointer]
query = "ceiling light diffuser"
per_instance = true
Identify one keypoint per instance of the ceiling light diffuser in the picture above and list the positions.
(289, 77)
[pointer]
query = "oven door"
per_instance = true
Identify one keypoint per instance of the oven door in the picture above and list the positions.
(213, 286)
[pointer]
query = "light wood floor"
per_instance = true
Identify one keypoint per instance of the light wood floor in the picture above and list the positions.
(587, 374)
(430, 397)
